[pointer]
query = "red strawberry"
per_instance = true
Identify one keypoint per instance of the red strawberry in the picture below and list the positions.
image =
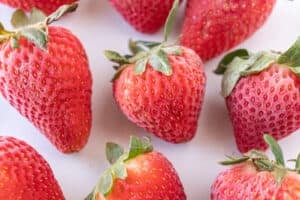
(24, 173)
(48, 81)
(45, 5)
(144, 15)
(140, 174)
(161, 89)
(212, 27)
(258, 178)
(262, 95)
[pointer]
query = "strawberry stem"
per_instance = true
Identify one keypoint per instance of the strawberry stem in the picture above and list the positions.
(170, 20)
(292, 56)
(61, 11)
(118, 157)
(261, 160)
(222, 66)
(275, 148)
(33, 27)
(298, 163)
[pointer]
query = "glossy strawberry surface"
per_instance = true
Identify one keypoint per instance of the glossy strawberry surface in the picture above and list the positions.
(24, 174)
(144, 15)
(167, 106)
(149, 177)
(245, 182)
(268, 102)
(45, 5)
(52, 88)
(212, 27)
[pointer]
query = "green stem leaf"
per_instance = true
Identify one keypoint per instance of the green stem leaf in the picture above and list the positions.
(160, 62)
(292, 56)
(105, 184)
(61, 11)
(139, 45)
(115, 57)
(119, 170)
(175, 50)
(298, 162)
(275, 148)
(170, 20)
(233, 161)
(222, 66)
(279, 174)
(113, 152)
(138, 146)
(19, 18)
(140, 66)
(37, 36)
(239, 67)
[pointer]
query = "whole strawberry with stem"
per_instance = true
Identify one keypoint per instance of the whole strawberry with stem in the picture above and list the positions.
(254, 176)
(24, 173)
(44, 74)
(262, 94)
(140, 174)
(44, 5)
(212, 27)
(144, 15)
(161, 87)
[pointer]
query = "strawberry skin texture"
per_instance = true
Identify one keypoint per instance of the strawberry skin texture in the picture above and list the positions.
(212, 27)
(52, 88)
(290, 189)
(144, 15)
(45, 5)
(268, 102)
(24, 174)
(245, 182)
(150, 177)
(167, 106)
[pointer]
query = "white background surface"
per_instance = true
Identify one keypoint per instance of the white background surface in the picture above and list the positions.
(99, 27)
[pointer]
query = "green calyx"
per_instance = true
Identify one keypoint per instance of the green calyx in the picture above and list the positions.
(144, 52)
(262, 162)
(117, 157)
(240, 63)
(32, 26)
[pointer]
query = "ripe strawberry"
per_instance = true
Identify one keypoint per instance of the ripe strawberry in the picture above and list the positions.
(161, 89)
(140, 174)
(24, 173)
(262, 95)
(44, 74)
(144, 15)
(44, 5)
(212, 27)
(256, 177)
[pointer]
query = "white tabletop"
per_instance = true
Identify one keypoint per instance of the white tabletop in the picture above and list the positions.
(99, 27)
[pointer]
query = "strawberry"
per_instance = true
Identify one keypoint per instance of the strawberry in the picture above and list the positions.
(161, 89)
(44, 74)
(24, 173)
(255, 177)
(212, 27)
(44, 5)
(262, 94)
(144, 15)
(140, 174)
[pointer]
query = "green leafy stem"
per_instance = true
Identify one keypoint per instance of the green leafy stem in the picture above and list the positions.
(262, 162)
(33, 26)
(117, 157)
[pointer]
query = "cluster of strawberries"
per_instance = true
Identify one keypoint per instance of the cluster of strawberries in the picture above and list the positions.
(45, 75)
